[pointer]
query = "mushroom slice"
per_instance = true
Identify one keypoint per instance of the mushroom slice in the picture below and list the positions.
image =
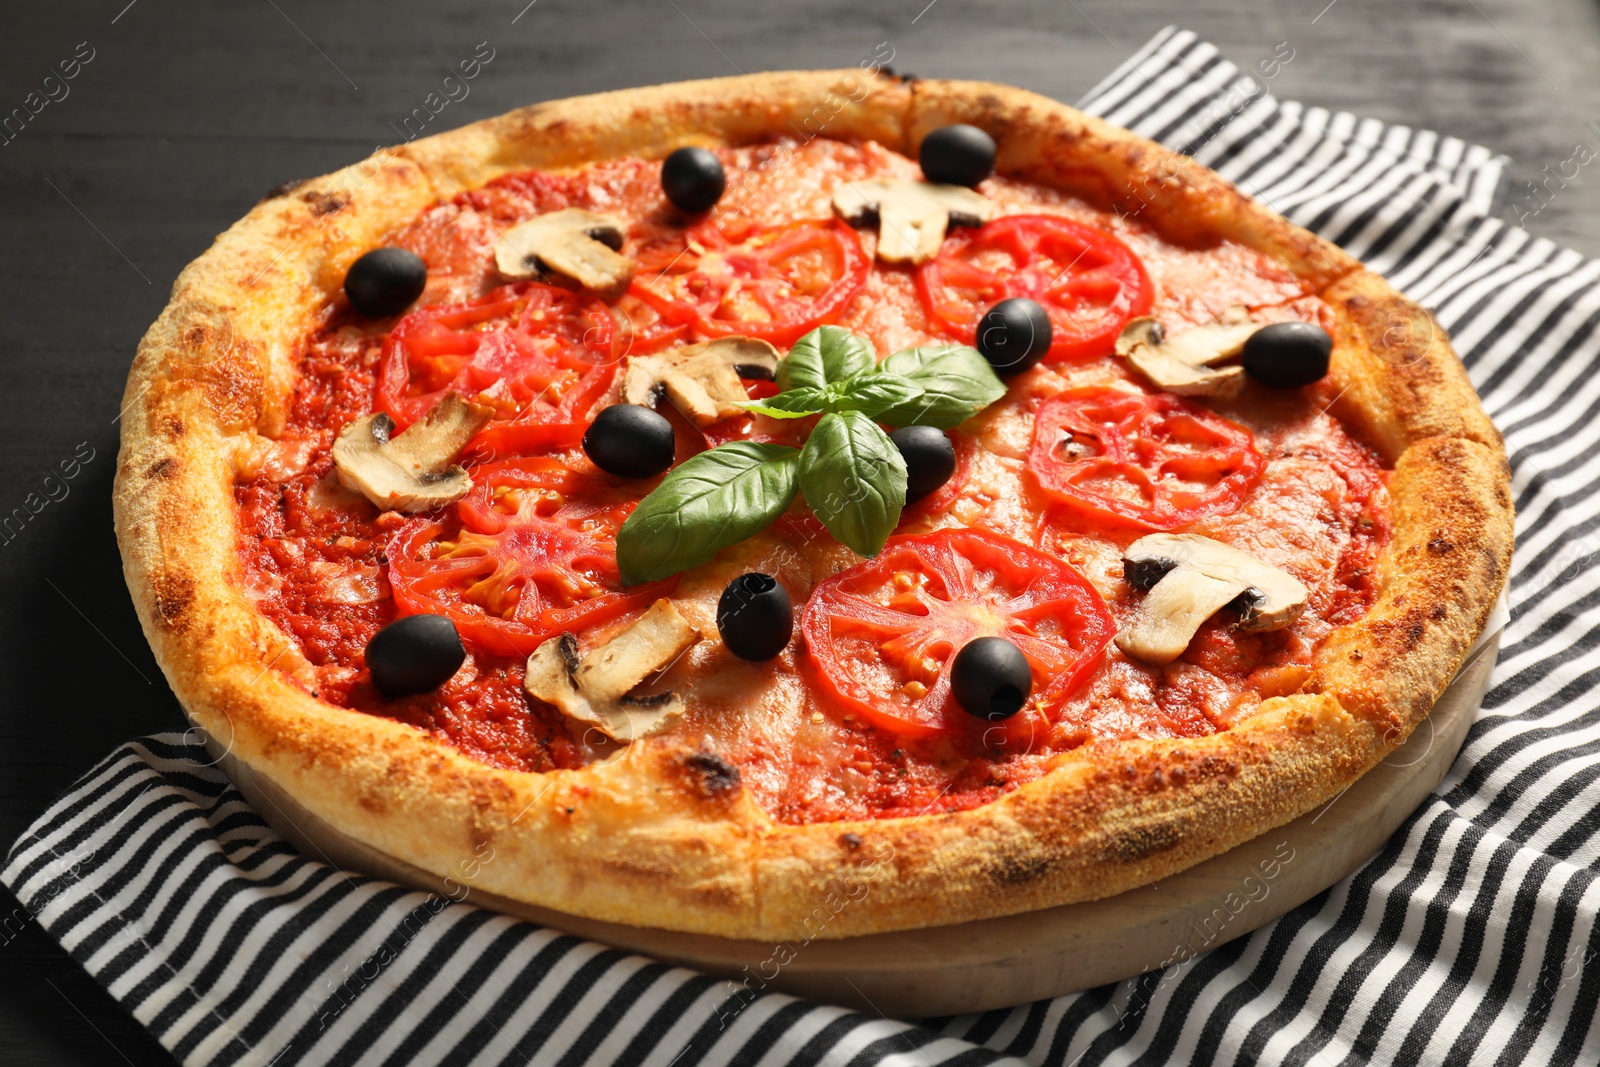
(572, 242)
(653, 641)
(912, 216)
(414, 471)
(596, 689)
(1189, 579)
(1186, 363)
(701, 380)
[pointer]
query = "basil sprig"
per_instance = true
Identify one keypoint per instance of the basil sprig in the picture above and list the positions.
(831, 369)
(851, 473)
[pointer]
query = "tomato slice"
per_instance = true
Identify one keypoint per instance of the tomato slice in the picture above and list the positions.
(882, 634)
(542, 357)
(775, 283)
(528, 553)
(1154, 460)
(641, 329)
(1089, 282)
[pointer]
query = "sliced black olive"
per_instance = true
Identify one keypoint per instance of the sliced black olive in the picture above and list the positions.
(930, 458)
(630, 441)
(990, 678)
(957, 155)
(693, 179)
(1014, 335)
(414, 655)
(754, 616)
(1288, 354)
(385, 281)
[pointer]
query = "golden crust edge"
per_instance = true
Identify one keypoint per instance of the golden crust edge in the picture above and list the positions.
(686, 852)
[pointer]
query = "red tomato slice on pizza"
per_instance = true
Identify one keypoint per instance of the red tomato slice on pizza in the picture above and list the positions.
(1088, 281)
(1152, 460)
(529, 553)
(882, 634)
(541, 356)
(774, 283)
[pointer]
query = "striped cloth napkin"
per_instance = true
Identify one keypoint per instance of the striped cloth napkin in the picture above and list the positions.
(1471, 938)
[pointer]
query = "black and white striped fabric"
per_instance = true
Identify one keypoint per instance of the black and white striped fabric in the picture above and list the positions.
(1471, 938)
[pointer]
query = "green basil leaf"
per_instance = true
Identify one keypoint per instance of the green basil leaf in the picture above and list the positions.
(854, 480)
(792, 404)
(867, 393)
(957, 383)
(824, 356)
(875, 392)
(709, 502)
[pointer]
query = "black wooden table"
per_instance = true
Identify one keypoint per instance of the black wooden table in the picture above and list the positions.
(179, 116)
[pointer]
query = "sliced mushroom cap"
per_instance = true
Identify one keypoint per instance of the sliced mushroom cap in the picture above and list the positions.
(597, 688)
(701, 380)
(415, 470)
(912, 216)
(1189, 579)
(1186, 362)
(572, 242)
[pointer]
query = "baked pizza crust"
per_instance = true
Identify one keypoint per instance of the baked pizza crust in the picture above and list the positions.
(666, 835)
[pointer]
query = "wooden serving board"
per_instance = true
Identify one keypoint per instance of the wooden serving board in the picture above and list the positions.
(1016, 959)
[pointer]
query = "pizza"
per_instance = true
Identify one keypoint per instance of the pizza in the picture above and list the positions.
(678, 506)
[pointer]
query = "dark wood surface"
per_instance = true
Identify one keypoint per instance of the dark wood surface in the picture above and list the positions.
(187, 113)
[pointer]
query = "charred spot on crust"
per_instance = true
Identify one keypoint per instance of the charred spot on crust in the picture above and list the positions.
(1138, 842)
(1440, 546)
(1019, 869)
(173, 597)
(527, 122)
(163, 469)
(1217, 767)
(197, 336)
(284, 188)
(850, 841)
(712, 776)
(322, 203)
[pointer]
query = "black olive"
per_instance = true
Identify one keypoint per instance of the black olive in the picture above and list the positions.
(1014, 335)
(385, 281)
(1287, 354)
(991, 678)
(414, 654)
(754, 616)
(957, 155)
(629, 441)
(693, 179)
(930, 458)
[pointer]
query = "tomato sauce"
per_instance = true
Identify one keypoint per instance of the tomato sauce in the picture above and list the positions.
(316, 557)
